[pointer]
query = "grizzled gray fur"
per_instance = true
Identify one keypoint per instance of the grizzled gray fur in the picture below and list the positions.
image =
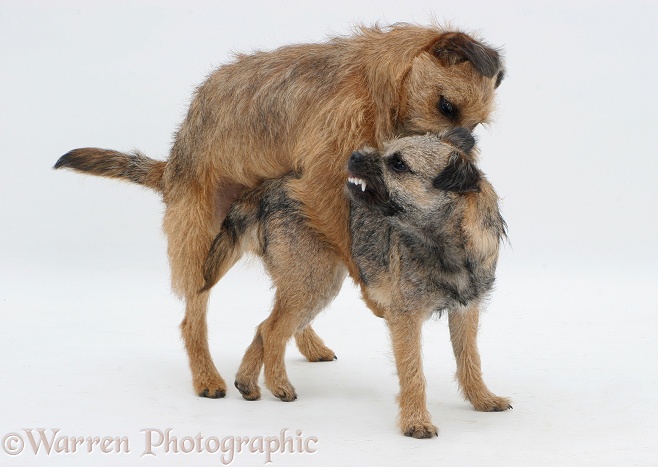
(425, 234)
(415, 208)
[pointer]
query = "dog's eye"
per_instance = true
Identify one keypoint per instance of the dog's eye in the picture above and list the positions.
(446, 108)
(399, 166)
(397, 163)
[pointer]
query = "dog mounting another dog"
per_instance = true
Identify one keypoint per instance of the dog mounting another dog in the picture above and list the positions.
(303, 109)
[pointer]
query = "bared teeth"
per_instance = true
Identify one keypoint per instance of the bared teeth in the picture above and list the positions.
(358, 181)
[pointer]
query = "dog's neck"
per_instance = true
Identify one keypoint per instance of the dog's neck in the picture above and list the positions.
(430, 229)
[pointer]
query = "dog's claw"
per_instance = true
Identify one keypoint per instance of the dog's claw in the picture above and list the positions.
(286, 395)
(218, 394)
(502, 409)
(287, 398)
(492, 404)
(424, 431)
(330, 359)
(248, 392)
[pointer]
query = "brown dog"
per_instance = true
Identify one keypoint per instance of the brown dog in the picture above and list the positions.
(425, 232)
(303, 108)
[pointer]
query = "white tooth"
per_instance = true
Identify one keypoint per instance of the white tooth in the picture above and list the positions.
(363, 185)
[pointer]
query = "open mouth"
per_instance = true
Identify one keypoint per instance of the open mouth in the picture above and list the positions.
(357, 182)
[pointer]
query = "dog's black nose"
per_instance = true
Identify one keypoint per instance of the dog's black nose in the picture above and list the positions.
(461, 138)
(356, 160)
(356, 157)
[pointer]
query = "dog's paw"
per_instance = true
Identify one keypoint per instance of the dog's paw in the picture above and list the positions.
(212, 388)
(216, 394)
(285, 392)
(312, 347)
(492, 404)
(213, 394)
(250, 391)
(317, 352)
(421, 431)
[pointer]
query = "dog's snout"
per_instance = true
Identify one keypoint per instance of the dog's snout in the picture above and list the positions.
(356, 161)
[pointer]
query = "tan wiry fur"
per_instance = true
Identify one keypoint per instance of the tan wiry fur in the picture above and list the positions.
(303, 108)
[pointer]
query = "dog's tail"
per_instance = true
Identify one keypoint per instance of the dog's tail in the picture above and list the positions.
(134, 167)
(239, 233)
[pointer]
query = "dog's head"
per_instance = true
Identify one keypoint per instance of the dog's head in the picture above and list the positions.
(451, 84)
(415, 177)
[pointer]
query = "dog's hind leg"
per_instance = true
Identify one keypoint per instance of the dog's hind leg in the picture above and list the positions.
(270, 341)
(301, 293)
(312, 346)
(190, 225)
(246, 380)
(206, 379)
(325, 210)
(296, 305)
(268, 349)
(463, 334)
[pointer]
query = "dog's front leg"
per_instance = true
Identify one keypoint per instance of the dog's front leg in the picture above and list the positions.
(405, 328)
(463, 334)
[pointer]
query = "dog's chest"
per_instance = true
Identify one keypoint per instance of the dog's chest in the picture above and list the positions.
(438, 276)
(416, 273)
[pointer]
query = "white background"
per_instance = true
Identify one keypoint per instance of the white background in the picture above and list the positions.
(88, 331)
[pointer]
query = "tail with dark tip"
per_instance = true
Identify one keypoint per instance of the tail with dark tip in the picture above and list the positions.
(134, 167)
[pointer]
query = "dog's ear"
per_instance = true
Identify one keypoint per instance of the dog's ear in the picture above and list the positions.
(459, 176)
(456, 47)
(460, 138)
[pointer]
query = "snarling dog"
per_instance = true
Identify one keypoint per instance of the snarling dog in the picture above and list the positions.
(425, 229)
(301, 108)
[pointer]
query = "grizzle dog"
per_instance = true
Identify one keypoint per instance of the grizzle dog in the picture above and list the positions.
(301, 108)
(425, 230)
